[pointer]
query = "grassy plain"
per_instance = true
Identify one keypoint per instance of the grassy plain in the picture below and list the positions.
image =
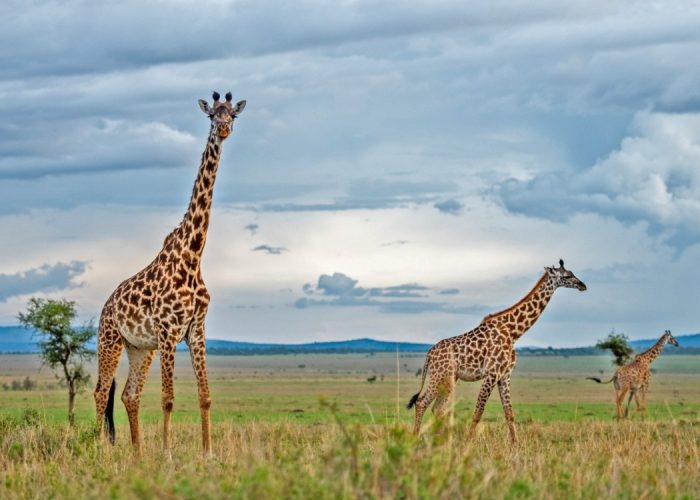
(313, 426)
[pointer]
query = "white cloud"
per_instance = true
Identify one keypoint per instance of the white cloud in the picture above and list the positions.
(653, 177)
(361, 117)
(42, 279)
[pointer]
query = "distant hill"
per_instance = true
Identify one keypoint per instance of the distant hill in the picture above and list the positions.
(683, 340)
(15, 339)
(216, 346)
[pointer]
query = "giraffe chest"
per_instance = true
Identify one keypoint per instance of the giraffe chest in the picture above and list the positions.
(145, 334)
(168, 315)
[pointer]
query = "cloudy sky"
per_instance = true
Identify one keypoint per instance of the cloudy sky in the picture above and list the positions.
(401, 168)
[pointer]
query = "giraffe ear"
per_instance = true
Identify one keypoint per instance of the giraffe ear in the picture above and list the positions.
(204, 107)
(238, 108)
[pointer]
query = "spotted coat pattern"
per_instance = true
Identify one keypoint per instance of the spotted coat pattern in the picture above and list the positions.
(166, 302)
(487, 352)
(634, 377)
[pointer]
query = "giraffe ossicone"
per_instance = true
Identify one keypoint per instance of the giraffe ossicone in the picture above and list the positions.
(166, 302)
(487, 352)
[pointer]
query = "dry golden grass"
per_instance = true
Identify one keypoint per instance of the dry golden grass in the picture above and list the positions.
(272, 438)
(287, 460)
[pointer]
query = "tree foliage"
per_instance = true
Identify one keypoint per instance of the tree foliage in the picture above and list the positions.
(618, 345)
(64, 348)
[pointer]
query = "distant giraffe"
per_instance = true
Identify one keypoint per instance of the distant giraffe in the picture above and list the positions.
(487, 352)
(165, 303)
(635, 376)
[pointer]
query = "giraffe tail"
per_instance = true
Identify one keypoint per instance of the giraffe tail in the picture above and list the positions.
(600, 381)
(415, 397)
(109, 412)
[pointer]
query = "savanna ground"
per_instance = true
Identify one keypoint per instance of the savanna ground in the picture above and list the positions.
(312, 426)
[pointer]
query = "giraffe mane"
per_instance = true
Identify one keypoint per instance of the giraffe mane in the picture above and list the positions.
(521, 301)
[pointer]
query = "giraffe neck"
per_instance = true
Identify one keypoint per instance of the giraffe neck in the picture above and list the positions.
(520, 317)
(195, 223)
(653, 352)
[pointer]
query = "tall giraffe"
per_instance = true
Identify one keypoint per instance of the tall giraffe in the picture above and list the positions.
(165, 303)
(487, 352)
(635, 376)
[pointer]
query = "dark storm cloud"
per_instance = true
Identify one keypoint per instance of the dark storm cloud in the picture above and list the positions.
(85, 37)
(451, 206)
(344, 93)
(43, 279)
(270, 250)
(340, 290)
(409, 290)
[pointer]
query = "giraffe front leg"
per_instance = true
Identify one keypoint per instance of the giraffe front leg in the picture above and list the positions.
(504, 392)
(638, 402)
(644, 400)
(199, 364)
(484, 393)
(167, 368)
(629, 400)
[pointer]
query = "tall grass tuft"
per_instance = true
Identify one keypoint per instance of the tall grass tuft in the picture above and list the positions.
(585, 459)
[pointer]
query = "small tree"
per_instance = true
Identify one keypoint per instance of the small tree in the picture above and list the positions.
(63, 347)
(618, 344)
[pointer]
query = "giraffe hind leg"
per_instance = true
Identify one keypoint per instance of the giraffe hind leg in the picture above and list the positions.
(441, 406)
(619, 399)
(109, 350)
(423, 402)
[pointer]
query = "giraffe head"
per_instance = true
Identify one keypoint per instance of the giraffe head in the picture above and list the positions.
(559, 276)
(670, 338)
(221, 114)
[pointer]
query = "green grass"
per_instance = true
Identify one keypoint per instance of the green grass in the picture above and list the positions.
(275, 389)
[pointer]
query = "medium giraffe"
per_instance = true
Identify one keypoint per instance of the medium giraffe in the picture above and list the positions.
(487, 352)
(165, 303)
(635, 376)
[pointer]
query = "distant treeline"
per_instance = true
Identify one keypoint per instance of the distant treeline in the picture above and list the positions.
(225, 351)
(592, 351)
(525, 351)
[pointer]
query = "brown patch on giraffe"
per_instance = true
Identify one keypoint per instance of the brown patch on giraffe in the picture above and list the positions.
(197, 242)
